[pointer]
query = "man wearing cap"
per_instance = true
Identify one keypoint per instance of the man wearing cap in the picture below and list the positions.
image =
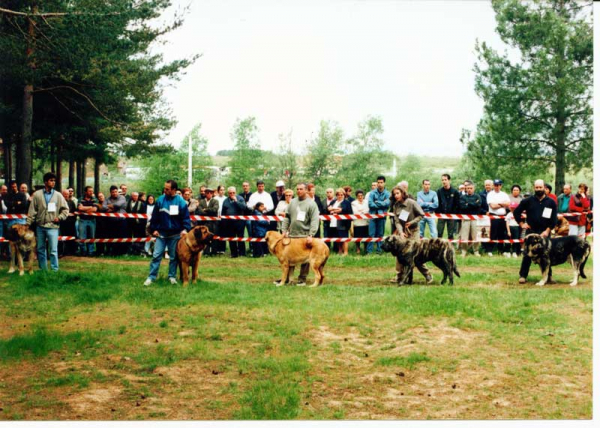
(246, 193)
(498, 202)
(208, 207)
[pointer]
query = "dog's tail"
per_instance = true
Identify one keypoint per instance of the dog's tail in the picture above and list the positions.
(455, 269)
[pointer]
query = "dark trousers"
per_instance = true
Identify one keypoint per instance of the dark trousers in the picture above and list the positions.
(515, 232)
(443, 222)
(498, 231)
(235, 229)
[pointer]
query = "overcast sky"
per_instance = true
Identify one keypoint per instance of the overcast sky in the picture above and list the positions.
(292, 64)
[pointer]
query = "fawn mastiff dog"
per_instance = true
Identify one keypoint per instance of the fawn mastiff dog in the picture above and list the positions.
(189, 251)
(551, 252)
(22, 242)
(295, 251)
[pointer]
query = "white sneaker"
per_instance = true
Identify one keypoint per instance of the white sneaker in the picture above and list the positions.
(490, 255)
(506, 255)
(147, 282)
(515, 255)
(173, 281)
(477, 254)
(167, 256)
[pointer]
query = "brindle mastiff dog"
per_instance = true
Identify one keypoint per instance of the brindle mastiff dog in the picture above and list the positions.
(22, 242)
(551, 252)
(295, 251)
(189, 251)
(410, 252)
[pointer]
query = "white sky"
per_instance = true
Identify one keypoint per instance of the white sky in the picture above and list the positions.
(293, 63)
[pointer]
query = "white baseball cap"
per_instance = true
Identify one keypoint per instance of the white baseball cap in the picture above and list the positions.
(280, 183)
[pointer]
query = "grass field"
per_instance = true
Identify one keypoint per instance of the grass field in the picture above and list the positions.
(91, 343)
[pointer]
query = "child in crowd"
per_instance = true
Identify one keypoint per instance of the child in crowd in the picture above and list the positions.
(513, 230)
(259, 230)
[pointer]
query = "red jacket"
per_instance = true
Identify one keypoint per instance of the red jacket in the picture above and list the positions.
(578, 204)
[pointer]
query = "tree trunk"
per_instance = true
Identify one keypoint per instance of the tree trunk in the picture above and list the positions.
(7, 160)
(96, 176)
(24, 158)
(53, 156)
(71, 173)
(58, 166)
(82, 180)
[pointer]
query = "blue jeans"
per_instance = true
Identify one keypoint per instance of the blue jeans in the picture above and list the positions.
(376, 229)
(87, 230)
(51, 234)
(170, 243)
(432, 229)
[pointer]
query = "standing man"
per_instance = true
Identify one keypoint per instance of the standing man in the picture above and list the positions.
(47, 209)
(484, 223)
(449, 201)
(301, 221)
(170, 221)
(87, 223)
(379, 203)
(116, 204)
(234, 205)
(124, 192)
(137, 226)
(246, 193)
(277, 196)
(16, 203)
(541, 218)
(498, 202)
(202, 193)
(327, 232)
(428, 201)
(208, 207)
(24, 189)
(470, 203)
(563, 199)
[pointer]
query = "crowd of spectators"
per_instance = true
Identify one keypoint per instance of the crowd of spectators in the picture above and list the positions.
(209, 202)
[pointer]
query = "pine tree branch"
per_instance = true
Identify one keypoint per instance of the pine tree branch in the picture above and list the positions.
(79, 93)
(54, 14)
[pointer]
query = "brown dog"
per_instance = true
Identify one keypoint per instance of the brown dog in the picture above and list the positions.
(295, 251)
(22, 242)
(189, 251)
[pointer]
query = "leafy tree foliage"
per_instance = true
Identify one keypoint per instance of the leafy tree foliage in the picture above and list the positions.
(538, 111)
(324, 153)
(247, 158)
(80, 73)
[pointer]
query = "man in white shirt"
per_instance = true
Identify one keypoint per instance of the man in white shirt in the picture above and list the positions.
(260, 196)
(498, 203)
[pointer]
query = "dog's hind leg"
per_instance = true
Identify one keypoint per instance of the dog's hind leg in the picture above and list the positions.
(286, 270)
(575, 267)
(195, 266)
(315, 269)
(20, 261)
(583, 261)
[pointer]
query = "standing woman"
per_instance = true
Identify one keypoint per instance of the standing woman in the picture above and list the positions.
(361, 226)
(340, 228)
(281, 207)
(579, 203)
(220, 246)
(149, 245)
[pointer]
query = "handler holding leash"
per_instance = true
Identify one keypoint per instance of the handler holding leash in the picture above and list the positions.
(170, 221)
(541, 218)
(301, 221)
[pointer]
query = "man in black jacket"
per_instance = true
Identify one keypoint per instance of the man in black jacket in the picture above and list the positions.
(234, 205)
(470, 203)
(541, 218)
(449, 202)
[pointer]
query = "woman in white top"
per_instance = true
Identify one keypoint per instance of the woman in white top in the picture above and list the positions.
(361, 226)
(220, 245)
(281, 207)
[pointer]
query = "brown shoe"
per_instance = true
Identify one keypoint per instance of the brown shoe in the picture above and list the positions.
(522, 280)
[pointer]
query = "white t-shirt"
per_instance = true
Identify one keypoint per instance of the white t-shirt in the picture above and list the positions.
(497, 198)
(358, 208)
(263, 197)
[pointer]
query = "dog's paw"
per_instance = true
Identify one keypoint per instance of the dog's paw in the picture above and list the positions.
(573, 284)
(21, 273)
(12, 270)
(540, 283)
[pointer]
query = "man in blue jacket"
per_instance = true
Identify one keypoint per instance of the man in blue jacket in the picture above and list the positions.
(170, 221)
(379, 203)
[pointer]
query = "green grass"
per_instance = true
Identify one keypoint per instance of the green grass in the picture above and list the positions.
(235, 347)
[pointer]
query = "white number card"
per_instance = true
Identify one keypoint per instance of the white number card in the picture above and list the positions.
(547, 213)
(52, 207)
(301, 216)
(403, 215)
(174, 209)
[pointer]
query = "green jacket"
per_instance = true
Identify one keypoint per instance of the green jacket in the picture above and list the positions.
(38, 209)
